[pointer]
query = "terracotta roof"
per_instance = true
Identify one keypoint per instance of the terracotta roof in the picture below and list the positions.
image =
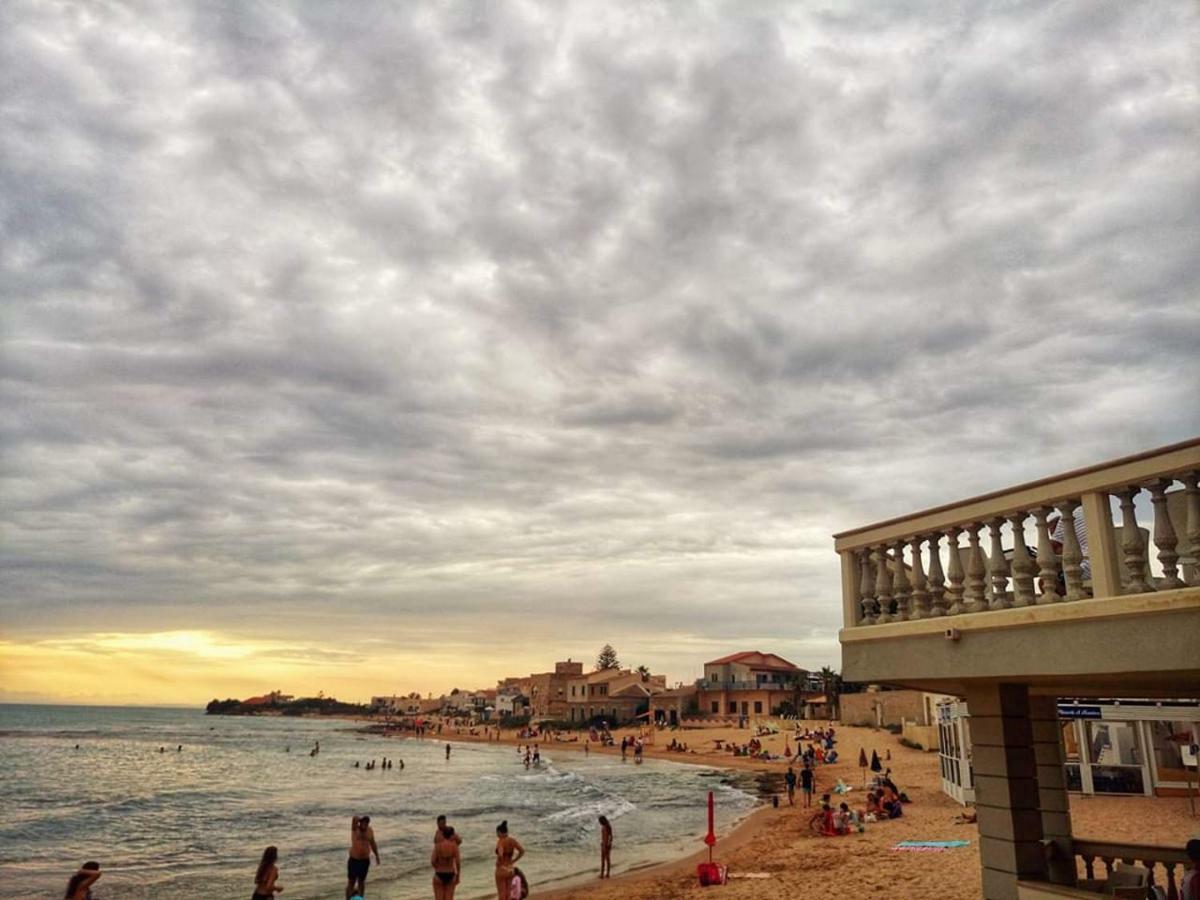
(756, 659)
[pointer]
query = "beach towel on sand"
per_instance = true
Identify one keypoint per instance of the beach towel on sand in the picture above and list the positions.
(930, 846)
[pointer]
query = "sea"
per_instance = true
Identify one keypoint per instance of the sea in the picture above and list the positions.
(110, 784)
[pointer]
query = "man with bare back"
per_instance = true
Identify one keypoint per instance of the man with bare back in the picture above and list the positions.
(362, 845)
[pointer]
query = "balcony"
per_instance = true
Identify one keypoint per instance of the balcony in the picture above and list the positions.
(706, 685)
(981, 589)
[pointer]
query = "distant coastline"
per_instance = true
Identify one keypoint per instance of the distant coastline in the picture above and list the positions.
(304, 706)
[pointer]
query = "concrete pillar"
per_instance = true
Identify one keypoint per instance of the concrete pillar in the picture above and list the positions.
(1052, 788)
(1006, 789)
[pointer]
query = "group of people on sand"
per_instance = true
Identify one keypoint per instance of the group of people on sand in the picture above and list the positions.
(675, 746)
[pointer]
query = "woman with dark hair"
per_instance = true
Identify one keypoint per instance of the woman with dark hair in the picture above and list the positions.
(80, 885)
(265, 887)
(447, 864)
(508, 851)
(606, 842)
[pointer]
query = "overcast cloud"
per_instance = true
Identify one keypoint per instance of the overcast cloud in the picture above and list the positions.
(548, 324)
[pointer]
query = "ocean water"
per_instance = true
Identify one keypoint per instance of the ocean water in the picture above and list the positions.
(194, 823)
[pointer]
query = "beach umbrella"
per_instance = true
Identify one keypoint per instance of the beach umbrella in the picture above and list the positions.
(862, 762)
(711, 837)
(876, 765)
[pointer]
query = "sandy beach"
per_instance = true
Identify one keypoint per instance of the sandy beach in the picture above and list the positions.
(772, 854)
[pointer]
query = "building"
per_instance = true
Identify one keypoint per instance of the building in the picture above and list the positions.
(1128, 746)
(275, 698)
(546, 692)
(511, 702)
(397, 706)
(615, 695)
(1013, 629)
(672, 706)
(750, 683)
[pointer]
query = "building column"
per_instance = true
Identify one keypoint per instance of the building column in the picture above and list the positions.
(1052, 788)
(1006, 788)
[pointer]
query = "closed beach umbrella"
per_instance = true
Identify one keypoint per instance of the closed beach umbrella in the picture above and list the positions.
(711, 837)
(862, 762)
(876, 765)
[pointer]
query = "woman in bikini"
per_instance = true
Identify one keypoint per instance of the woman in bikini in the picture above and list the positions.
(265, 886)
(447, 865)
(606, 842)
(80, 885)
(508, 851)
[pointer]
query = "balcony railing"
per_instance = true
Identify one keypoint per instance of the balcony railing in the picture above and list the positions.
(1154, 859)
(705, 685)
(916, 567)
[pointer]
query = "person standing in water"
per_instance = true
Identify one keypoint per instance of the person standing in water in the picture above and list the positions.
(606, 842)
(80, 885)
(447, 751)
(447, 863)
(508, 852)
(266, 884)
(362, 845)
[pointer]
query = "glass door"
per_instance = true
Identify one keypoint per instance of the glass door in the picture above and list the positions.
(1116, 757)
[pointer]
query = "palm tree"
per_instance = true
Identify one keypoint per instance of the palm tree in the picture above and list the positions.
(831, 683)
(644, 671)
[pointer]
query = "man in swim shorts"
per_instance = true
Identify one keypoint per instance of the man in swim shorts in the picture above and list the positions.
(362, 845)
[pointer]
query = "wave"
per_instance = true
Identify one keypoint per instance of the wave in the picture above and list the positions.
(612, 807)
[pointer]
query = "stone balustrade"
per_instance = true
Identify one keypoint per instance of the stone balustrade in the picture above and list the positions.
(1002, 550)
(1165, 864)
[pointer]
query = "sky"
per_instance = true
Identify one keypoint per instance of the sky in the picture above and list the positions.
(370, 348)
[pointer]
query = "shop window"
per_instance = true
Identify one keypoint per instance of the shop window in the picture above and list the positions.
(1174, 759)
(1115, 754)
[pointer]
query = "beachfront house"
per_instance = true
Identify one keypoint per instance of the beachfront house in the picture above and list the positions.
(615, 695)
(749, 683)
(510, 703)
(397, 706)
(546, 692)
(672, 706)
(986, 600)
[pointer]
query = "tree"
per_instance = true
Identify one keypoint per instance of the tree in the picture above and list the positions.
(644, 671)
(831, 683)
(607, 658)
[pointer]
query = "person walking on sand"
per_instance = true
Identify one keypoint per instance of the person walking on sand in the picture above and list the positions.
(447, 751)
(362, 845)
(606, 842)
(790, 780)
(446, 860)
(807, 783)
(266, 884)
(80, 885)
(508, 852)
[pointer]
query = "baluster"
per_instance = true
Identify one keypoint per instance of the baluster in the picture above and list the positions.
(1191, 482)
(975, 570)
(900, 582)
(866, 586)
(936, 580)
(1164, 536)
(883, 585)
(1172, 887)
(918, 607)
(1046, 559)
(1022, 565)
(1089, 863)
(1072, 554)
(954, 572)
(1148, 865)
(999, 569)
(1131, 542)
(1108, 865)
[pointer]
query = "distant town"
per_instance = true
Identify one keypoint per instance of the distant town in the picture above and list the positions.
(739, 686)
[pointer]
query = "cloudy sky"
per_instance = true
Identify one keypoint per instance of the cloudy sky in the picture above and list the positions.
(372, 347)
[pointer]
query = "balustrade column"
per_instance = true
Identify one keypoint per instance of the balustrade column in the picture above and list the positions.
(1046, 559)
(900, 582)
(919, 603)
(1164, 536)
(866, 588)
(975, 570)
(1191, 489)
(883, 585)
(999, 568)
(1072, 554)
(954, 572)
(1022, 565)
(936, 580)
(1132, 544)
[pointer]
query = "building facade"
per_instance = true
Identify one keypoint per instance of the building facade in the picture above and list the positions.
(750, 683)
(615, 695)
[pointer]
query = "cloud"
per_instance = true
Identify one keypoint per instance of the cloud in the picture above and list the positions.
(535, 326)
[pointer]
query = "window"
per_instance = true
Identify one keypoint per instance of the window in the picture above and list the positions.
(758, 706)
(604, 690)
(732, 706)
(745, 708)
(1171, 744)
(716, 706)
(713, 677)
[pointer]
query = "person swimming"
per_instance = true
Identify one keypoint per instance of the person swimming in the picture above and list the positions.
(80, 885)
